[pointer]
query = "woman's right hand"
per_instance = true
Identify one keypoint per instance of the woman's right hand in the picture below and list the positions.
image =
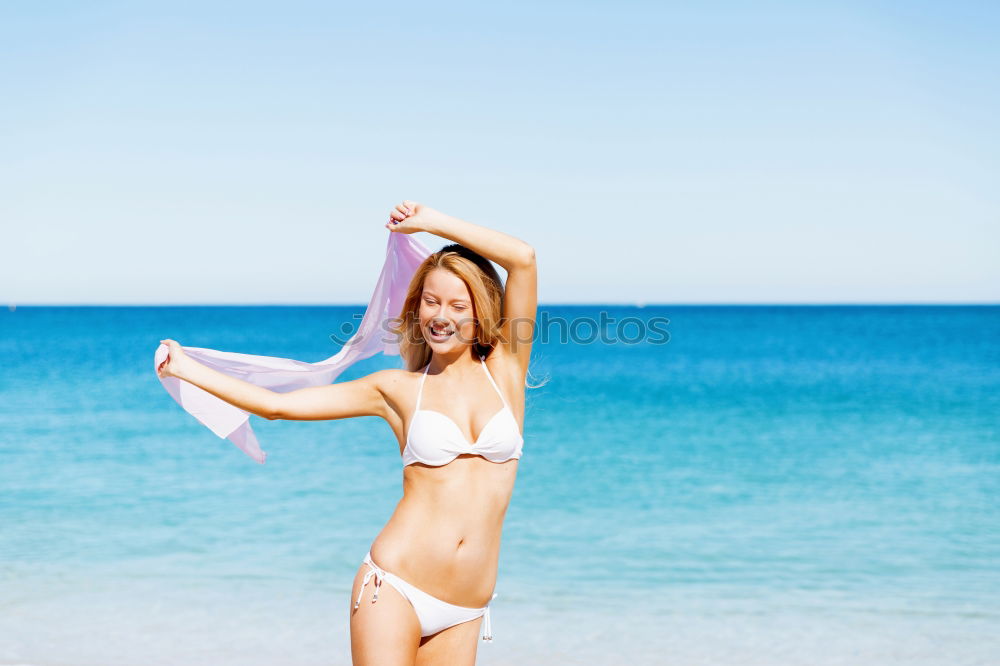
(176, 360)
(410, 216)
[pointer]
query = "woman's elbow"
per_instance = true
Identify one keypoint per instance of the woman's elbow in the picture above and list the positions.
(273, 410)
(527, 256)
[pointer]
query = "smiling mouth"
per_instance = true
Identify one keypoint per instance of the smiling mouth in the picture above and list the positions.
(439, 332)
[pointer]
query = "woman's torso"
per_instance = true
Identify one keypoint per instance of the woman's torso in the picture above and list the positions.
(444, 536)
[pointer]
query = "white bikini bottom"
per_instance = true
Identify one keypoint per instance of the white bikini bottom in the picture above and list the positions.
(434, 614)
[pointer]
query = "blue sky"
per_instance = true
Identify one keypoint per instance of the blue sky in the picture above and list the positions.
(729, 152)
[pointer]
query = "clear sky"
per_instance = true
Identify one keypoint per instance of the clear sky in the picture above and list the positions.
(725, 152)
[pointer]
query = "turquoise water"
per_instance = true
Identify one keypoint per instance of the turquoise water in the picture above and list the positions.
(775, 485)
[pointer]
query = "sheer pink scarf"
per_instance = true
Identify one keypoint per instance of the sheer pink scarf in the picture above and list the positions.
(403, 255)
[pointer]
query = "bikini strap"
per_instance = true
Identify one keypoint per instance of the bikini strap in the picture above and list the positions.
(482, 359)
(420, 391)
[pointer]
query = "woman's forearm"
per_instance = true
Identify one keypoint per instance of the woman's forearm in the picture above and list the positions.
(248, 397)
(496, 246)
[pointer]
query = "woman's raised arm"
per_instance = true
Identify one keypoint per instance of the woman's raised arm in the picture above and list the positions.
(510, 252)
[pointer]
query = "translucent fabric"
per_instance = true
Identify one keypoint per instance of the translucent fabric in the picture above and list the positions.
(403, 255)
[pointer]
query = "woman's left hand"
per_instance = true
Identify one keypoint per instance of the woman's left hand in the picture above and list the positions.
(409, 217)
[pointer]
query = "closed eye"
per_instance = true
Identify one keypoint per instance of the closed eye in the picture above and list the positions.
(430, 301)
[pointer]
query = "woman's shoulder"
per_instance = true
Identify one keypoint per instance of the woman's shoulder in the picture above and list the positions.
(397, 386)
(394, 378)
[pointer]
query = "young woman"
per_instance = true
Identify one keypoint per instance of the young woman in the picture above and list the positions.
(456, 410)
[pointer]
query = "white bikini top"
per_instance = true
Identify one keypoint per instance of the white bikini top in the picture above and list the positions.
(434, 439)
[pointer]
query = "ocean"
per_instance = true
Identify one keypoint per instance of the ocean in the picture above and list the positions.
(773, 485)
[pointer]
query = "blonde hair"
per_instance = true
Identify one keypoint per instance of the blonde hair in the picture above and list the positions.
(485, 287)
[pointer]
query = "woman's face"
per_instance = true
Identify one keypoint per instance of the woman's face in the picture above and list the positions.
(446, 306)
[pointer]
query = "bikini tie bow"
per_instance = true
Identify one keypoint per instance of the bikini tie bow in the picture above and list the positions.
(372, 571)
(487, 626)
